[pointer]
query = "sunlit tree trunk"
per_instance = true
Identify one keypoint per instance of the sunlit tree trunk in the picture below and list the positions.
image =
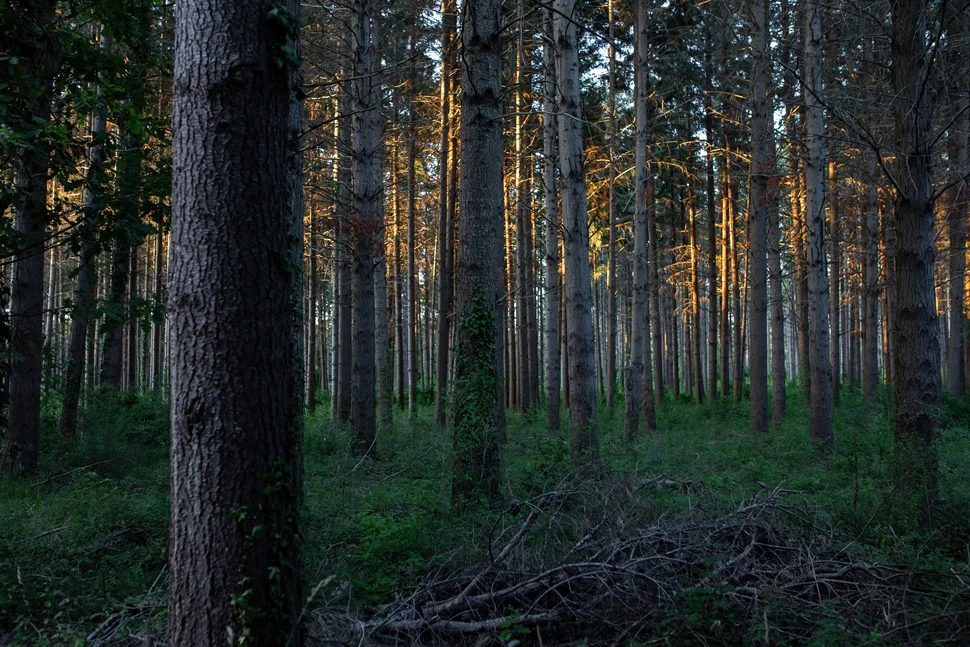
(957, 217)
(835, 276)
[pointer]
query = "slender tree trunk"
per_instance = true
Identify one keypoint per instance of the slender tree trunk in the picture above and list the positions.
(311, 369)
(957, 217)
(553, 284)
(448, 18)
(583, 439)
(479, 417)
(365, 232)
(726, 216)
(80, 317)
(775, 299)
(738, 377)
(835, 297)
(917, 377)
(133, 323)
(761, 109)
(611, 200)
(697, 371)
(820, 414)
(653, 284)
(712, 323)
(344, 208)
(870, 282)
(158, 321)
(639, 391)
(412, 264)
(236, 372)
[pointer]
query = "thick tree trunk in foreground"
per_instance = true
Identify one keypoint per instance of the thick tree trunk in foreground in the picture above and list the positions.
(38, 49)
(553, 288)
(583, 440)
(820, 415)
(235, 285)
(366, 234)
(917, 378)
(479, 420)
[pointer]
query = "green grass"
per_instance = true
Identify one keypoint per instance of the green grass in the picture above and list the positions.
(88, 534)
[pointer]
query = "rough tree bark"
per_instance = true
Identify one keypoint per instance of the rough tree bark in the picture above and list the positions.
(235, 312)
(479, 414)
(365, 232)
(343, 327)
(835, 298)
(583, 440)
(917, 379)
(957, 220)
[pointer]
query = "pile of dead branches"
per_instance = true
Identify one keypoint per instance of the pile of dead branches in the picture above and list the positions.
(593, 562)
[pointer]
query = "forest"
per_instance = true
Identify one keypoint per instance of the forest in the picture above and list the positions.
(536, 322)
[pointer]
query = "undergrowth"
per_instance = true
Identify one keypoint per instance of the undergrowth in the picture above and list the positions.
(87, 535)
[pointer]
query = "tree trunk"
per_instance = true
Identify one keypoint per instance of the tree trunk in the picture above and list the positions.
(712, 323)
(311, 369)
(775, 299)
(344, 206)
(366, 234)
(479, 417)
(870, 283)
(957, 217)
(761, 109)
(820, 415)
(235, 310)
(917, 370)
(87, 233)
(448, 18)
(611, 200)
(639, 391)
(697, 368)
(553, 288)
(583, 440)
(835, 297)
(39, 55)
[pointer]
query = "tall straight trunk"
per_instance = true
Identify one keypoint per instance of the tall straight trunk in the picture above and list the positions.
(344, 207)
(726, 216)
(236, 274)
(412, 275)
(653, 289)
(776, 302)
(639, 391)
(311, 369)
(761, 109)
(131, 381)
(400, 276)
(479, 417)
(448, 18)
(697, 371)
(129, 169)
(41, 59)
(583, 439)
(87, 233)
(801, 278)
(835, 276)
(158, 322)
(870, 287)
(366, 234)
(917, 370)
(737, 378)
(957, 217)
(553, 357)
(522, 288)
(820, 413)
(611, 200)
(712, 323)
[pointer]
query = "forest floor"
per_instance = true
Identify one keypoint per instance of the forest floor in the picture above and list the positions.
(697, 534)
